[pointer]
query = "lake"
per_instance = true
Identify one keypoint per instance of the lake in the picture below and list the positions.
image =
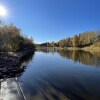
(59, 75)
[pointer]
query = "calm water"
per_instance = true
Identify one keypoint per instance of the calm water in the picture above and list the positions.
(62, 75)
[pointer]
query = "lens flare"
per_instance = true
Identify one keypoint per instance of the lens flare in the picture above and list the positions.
(3, 11)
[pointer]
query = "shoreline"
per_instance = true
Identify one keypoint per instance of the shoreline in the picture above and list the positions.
(10, 63)
(91, 48)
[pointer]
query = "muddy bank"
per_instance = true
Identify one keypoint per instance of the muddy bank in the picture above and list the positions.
(11, 63)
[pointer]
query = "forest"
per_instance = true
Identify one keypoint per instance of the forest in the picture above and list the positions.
(91, 38)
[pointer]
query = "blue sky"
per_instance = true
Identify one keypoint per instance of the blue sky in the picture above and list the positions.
(52, 20)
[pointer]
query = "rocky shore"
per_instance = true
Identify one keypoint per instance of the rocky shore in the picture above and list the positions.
(10, 63)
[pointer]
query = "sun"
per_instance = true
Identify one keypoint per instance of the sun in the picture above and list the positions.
(3, 11)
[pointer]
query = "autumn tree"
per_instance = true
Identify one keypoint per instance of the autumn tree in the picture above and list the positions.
(11, 38)
(68, 40)
(76, 41)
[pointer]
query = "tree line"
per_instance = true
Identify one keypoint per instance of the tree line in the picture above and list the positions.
(11, 39)
(81, 40)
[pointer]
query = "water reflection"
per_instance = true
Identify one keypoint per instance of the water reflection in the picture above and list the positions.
(9, 83)
(85, 57)
(10, 90)
(51, 77)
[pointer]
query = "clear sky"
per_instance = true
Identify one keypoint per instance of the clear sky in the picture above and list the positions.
(52, 20)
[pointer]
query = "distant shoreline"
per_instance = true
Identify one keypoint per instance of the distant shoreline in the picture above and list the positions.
(71, 48)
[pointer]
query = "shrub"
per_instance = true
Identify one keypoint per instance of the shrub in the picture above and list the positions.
(11, 39)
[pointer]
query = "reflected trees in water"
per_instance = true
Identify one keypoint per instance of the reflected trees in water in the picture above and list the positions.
(84, 57)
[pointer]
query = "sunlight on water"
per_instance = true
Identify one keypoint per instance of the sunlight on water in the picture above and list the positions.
(55, 75)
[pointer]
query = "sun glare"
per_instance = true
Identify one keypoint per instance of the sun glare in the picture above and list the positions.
(3, 11)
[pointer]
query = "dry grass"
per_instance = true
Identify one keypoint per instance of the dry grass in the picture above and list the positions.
(93, 48)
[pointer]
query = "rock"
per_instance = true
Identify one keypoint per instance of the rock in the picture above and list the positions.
(10, 63)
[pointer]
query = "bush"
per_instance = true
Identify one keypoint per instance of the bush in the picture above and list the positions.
(11, 39)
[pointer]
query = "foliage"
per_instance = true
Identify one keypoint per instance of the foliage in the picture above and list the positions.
(75, 41)
(11, 39)
(81, 40)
